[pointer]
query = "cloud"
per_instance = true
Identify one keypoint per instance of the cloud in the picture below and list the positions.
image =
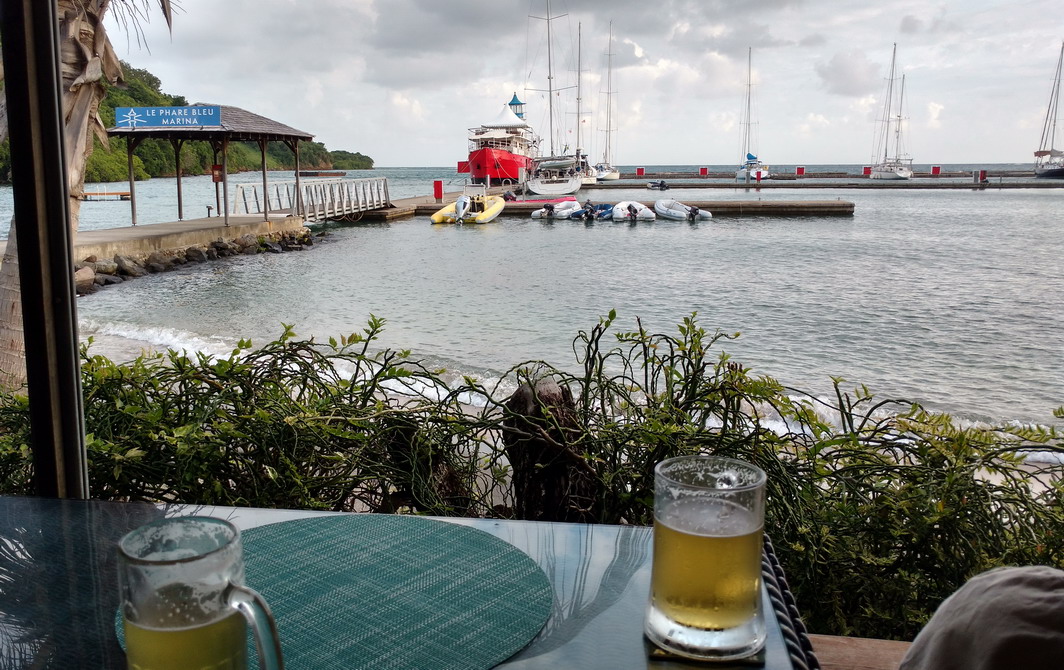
(934, 112)
(848, 74)
(404, 80)
(811, 123)
(910, 24)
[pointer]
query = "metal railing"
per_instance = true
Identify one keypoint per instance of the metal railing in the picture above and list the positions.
(321, 199)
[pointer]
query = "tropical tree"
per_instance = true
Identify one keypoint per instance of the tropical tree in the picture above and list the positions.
(87, 60)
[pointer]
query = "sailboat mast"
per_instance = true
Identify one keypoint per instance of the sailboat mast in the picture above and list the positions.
(746, 109)
(609, 96)
(898, 120)
(579, 49)
(550, 83)
(1049, 128)
(887, 111)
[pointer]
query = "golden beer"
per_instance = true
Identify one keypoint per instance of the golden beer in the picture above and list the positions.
(219, 645)
(707, 564)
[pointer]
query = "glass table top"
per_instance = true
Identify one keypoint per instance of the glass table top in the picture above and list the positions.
(59, 592)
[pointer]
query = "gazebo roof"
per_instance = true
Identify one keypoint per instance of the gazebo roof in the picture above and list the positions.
(237, 125)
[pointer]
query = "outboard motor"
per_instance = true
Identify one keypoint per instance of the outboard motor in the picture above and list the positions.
(633, 213)
(548, 209)
(461, 207)
(663, 186)
(692, 213)
(588, 212)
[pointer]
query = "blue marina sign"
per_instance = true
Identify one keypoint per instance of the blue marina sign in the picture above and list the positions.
(165, 117)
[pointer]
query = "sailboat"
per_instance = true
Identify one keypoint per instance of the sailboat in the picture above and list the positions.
(588, 175)
(889, 160)
(1048, 160)
(605, 171)
(552, 174)
(750, 167)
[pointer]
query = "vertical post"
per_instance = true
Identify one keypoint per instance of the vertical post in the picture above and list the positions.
(42, 226)
(217, 186)
(301, 208)
(225, 178)
(131, 144)
(265, 187)
(177, 163)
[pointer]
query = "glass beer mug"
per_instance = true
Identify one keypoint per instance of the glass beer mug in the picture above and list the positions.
(705, 594)
(184, 603)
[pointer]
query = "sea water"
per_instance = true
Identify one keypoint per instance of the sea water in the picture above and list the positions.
(951, 298)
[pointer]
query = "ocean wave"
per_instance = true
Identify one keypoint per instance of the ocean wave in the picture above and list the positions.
(127, 341)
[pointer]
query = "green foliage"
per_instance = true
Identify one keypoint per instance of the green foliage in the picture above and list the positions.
(878, 509)
(113, 165)
(345, 160)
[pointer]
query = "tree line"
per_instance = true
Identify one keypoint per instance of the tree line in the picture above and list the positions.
(155, 158)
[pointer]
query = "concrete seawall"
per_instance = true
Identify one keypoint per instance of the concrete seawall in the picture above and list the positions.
(144, 239)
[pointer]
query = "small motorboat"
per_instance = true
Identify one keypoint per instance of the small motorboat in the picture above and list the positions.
(674, 209)
(590, 212)
(630, 210)
(473, 206)
(658, 185)
(557, 210)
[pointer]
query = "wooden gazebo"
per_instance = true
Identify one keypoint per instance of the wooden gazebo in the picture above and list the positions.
(235, 125)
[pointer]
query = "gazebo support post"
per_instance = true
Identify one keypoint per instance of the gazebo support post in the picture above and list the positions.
(177, 162)
(131, 144)
(265, 188)
(225, 178)
(300, 210)
(217, 186)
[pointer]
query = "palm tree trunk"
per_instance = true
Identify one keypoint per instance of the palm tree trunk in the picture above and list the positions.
(12, 343)
(87, 57)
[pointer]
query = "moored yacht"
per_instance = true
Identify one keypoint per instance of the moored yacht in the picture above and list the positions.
(501, 151)
(1048, 160)
(553, 174)
(750, 168)
(890, 161)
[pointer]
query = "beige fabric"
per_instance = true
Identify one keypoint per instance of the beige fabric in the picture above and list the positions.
(1002, 619)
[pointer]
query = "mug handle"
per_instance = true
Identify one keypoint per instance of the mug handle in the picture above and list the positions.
(259, 617)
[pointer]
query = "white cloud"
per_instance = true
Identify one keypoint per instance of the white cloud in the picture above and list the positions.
(934, 111)
(812, 123)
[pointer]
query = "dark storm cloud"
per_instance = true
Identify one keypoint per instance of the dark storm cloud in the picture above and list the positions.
(426, 44)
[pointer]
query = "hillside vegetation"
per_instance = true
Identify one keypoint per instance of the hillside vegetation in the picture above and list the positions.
(155, 158)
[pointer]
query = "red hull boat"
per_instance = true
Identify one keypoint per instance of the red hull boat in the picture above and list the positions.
(501, 152)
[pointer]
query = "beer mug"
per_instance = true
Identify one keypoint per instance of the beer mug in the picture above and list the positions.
(705, 584)
(184, 603)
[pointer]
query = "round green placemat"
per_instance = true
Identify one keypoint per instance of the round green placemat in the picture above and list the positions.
(379, 591)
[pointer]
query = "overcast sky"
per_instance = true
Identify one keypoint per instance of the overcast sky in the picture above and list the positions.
(402, 81)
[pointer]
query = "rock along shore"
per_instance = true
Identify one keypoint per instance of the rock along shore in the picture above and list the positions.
(93, 273)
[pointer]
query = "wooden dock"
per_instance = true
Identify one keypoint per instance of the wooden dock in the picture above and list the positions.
(104, 195)
(406, 208)
(716, 207)
(920, 180)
